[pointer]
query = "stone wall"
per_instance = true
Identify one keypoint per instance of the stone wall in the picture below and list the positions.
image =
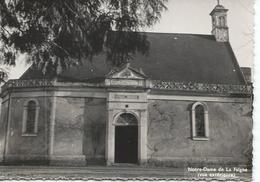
(95, 130)
(28, 148)
(68, 132)
(69, 126)
(169, 134)
(3, 119)
(80, 129)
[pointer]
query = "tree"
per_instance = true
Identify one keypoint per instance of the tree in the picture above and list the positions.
(59, 33)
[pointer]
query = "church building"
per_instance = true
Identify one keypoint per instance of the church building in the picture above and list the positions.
(186, 103)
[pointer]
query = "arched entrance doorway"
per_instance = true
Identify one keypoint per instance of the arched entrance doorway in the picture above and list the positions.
(126, 139)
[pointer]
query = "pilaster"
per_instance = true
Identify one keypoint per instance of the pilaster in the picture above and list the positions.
(52, 125)
(142, 138)
(6, 150)
(110, 138)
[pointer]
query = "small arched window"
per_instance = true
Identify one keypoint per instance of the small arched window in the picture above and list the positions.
(200, 123)
(30, 118)
(222, 22)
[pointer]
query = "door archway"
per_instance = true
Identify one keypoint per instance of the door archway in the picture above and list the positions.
(126, 139)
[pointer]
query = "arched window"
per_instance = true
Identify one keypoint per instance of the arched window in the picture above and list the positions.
(222, 22)
(200, 130)
(200, 122)
(31, 113)
(30, 118)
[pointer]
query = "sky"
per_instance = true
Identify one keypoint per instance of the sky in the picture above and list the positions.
(192, 16)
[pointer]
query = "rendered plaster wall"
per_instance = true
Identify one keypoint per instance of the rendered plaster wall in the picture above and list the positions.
(169, 134)
(95, 130)
(80, 128)
(69, 119)
(28, 148)
(3, 119)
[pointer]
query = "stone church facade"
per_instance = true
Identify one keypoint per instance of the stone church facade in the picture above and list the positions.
(186, 103)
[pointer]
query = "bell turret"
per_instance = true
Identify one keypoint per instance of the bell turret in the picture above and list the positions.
(219, 23)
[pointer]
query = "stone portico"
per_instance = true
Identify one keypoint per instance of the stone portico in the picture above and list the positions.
(127, 94)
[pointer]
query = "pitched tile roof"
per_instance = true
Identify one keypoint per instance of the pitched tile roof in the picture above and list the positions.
(175, 57)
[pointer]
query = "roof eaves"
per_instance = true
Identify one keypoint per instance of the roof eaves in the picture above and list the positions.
(237, 67)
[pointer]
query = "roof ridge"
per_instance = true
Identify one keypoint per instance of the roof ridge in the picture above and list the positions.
(168, 33)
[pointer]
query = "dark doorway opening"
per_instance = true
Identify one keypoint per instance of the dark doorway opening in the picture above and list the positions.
(126, 144)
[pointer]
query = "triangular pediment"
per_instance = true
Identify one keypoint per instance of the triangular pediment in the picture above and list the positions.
(126, 72)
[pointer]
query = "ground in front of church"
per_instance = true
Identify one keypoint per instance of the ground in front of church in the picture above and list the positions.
(111, 172)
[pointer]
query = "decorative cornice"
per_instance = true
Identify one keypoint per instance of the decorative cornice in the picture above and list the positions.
(202, 87)
(27, 83)
(153, 84)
